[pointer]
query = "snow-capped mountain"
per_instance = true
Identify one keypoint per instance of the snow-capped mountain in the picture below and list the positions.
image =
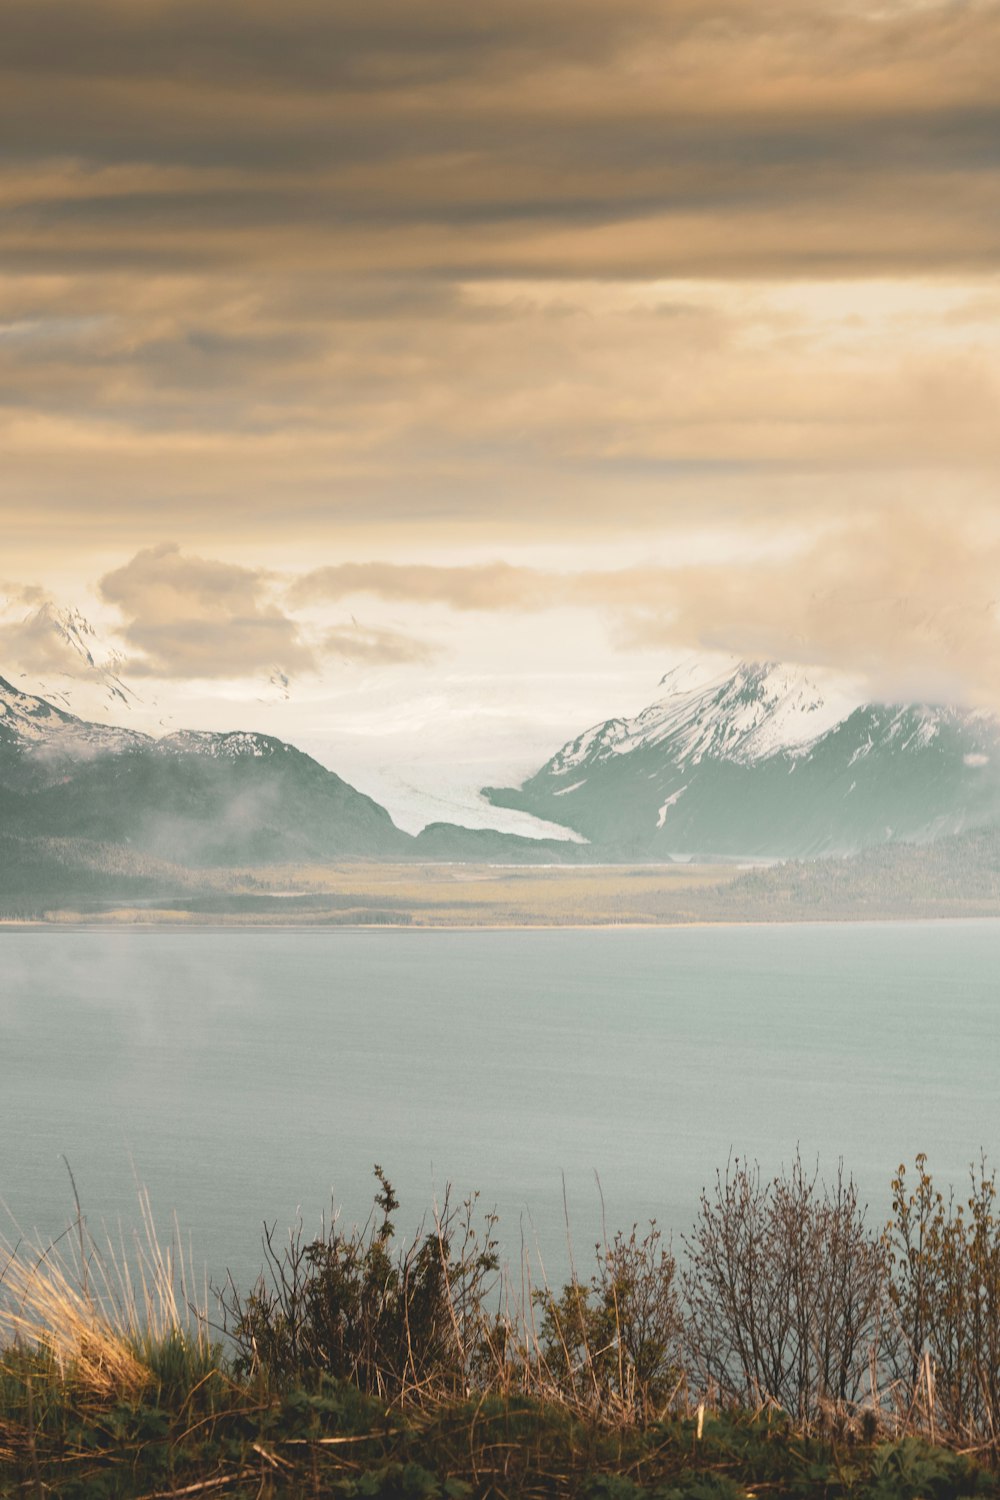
(38, 729)
(44, 734)
(233, 744)
(85, 673)
(758, 759)
(744, 714)
(751, 761)
(192, 798)
(198, 797)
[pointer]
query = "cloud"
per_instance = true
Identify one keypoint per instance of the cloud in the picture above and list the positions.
(193, 617)
(372, 646)
(292, 269)
(253, 410)
(490, 586)
(19, 595)
(905, 599)
(632, 139)
(909, 602)
(313, 275)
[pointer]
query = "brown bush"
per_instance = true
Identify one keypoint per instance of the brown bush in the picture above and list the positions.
(945, 1289)
(785, 1290)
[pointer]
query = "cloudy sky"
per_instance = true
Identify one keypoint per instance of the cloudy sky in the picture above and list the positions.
(419, 382)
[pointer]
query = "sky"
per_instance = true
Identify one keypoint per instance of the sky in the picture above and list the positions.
(421, 382)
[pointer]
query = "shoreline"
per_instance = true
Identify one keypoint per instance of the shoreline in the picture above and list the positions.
(41, 925)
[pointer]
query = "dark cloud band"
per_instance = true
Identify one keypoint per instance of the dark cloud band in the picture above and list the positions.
(259, 133)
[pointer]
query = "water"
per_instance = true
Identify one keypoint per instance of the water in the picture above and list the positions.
(244, 1075)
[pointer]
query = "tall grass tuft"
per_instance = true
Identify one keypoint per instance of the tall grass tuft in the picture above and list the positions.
(114, 1319)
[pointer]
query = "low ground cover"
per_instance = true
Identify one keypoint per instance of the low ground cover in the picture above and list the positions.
(788, 1349)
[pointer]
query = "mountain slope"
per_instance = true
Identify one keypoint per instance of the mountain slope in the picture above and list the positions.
(757, 761)
(192, 798)
(34, 728)
(82, 673)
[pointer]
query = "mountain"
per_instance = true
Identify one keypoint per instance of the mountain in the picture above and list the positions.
(753, 761)
(757, 760)
(73, 792)
(105, 664)
(191, 798)
(37, 738)
(84, 673)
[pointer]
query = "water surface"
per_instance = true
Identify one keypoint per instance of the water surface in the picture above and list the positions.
(247, 1074)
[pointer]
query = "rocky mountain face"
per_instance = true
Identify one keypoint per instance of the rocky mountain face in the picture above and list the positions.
(36, 736)
(756, 760)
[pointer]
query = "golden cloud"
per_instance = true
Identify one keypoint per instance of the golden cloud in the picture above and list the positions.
(910, 602)
(188, 616)
(346, 278)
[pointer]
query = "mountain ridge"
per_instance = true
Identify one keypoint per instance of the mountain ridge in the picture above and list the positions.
(752, 762)
(203, 797)
(755, 760)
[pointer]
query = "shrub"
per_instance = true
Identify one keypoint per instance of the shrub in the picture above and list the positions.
(615, 1342)
(353, 1306)
(945, 1289)
(785, 1290)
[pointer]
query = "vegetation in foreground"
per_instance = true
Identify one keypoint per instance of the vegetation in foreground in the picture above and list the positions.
(790, 1350)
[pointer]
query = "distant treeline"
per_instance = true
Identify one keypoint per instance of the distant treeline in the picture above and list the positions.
(955, 876)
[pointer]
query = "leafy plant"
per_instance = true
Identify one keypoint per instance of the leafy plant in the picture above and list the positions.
(615, 1342)
(353, 1306)
(945, 1290)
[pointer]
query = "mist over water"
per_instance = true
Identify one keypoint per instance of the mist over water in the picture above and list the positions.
(247, 1074)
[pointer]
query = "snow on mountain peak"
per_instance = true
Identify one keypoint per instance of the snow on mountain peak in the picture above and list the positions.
(41, 728)
(236, 744)
(745, 712)
(696, 673)
(765, 708)
(739, 711)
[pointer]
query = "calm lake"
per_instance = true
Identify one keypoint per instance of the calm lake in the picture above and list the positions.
(245, 1075)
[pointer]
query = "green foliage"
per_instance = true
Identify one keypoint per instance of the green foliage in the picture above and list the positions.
(911, 1469)
(701, 1487)
(331, 1440)
(352, 1306)
(615, 1342)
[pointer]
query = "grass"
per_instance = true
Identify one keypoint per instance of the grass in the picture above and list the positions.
(424, 895)
(199, 1432)
(956, 877)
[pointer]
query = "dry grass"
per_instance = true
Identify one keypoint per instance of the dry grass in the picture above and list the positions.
(98, 1310)
(442, 895)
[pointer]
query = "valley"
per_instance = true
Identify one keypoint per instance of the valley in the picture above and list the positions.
(957, 877)
(748, 796)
